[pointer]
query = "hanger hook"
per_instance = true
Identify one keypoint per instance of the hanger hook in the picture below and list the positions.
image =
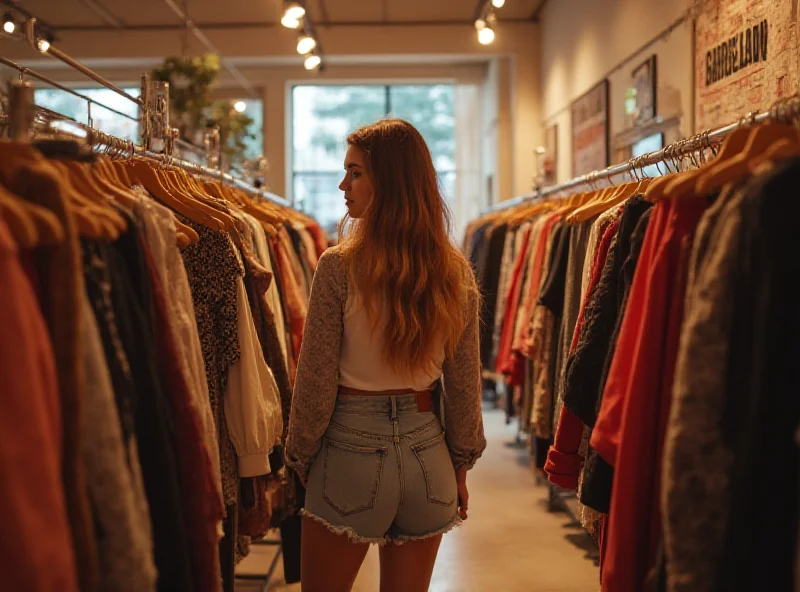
(658, 168)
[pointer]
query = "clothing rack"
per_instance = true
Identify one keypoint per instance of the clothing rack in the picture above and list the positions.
(23, 71)
(783, 111)
(154, 124)
(30, 35)
(95, 137)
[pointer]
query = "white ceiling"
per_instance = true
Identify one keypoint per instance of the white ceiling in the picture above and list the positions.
(68, 14)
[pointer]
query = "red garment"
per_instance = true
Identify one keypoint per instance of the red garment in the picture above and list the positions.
(564, 463)
(36, 552)
(203, 505)
(630, 428)
(254, 521)
(295, 306)
(516, 362)
(320, 240)
(512, 303)
(524, 343)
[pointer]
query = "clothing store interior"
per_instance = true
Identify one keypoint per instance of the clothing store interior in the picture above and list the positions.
(169, 181)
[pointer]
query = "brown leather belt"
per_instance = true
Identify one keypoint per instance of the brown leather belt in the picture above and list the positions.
(424, 398)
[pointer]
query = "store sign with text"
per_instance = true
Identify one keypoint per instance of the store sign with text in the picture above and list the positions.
(746, 58)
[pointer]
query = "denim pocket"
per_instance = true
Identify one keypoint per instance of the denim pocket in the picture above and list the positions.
(352, 476)
(437, 466)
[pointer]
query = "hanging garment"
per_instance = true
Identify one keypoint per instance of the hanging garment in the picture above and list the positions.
(201, 496)
(157, 225)
(488, 278)
(508, 322)
(251, 402)
(565, 460)
(735, 343)
(577, 247)
(639, 389)
(507, 268)
(598, 475)
(136, 313)
(544, 330)
(32, 494)
(273, 295)
(514, 367)
(27, 174)
(213, 270)
(522, 348)
(582, 386)
(122, 521)
(292, 291)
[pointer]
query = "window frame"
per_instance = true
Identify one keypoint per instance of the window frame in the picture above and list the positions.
(290, 172)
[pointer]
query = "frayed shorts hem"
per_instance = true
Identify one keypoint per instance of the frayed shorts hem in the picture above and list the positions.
(354, 537)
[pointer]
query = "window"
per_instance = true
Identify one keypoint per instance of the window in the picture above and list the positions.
(254, 141)
(324, 115)
(102, 119)
(646, 145)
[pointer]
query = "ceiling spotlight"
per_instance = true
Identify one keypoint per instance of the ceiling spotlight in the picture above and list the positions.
(292, 13)
(312, 61)
(480, 24)
(43, 45)
(240, 106)
(498, 3)
(290, 23)
(305, 44)
(9, 26)
(486, 35)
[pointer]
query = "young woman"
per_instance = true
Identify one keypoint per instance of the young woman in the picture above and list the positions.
(393, 315)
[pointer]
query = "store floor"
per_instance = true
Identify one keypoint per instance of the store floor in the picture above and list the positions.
(510, 543)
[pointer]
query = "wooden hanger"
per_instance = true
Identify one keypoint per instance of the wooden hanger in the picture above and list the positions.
(736, 168)
(623, 193)
(84, 182)
(146, 175)
(49, 228)
(19, 222)
(686, 184)
(179, 185)
(88, 223)
(122, 172)
(780, 150)
(108, 183)
(94, 220)
(184, 234)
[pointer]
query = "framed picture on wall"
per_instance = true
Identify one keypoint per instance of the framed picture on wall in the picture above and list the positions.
(590, 130)
(550, 160)
(643, 91)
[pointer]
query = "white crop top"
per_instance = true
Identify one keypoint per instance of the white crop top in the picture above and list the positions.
(361, 362)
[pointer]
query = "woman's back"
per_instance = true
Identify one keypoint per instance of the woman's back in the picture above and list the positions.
(393, 316)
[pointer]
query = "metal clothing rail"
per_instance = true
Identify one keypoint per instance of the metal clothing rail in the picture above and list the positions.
(30, 35)
(783, 111)
(33, 74)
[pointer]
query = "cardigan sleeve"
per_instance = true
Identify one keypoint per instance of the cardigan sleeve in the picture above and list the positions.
(462, 393)
(317, 380)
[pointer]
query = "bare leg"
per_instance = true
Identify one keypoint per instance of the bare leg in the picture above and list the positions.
(408, 567)
(328, 562)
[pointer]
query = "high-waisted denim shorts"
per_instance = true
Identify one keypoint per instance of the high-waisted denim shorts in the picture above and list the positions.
(383, 472)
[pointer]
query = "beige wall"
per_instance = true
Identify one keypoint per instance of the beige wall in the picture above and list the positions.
(583, 40)
(266, 56)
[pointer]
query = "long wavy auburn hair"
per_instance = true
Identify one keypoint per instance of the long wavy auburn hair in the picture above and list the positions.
(400, 255)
